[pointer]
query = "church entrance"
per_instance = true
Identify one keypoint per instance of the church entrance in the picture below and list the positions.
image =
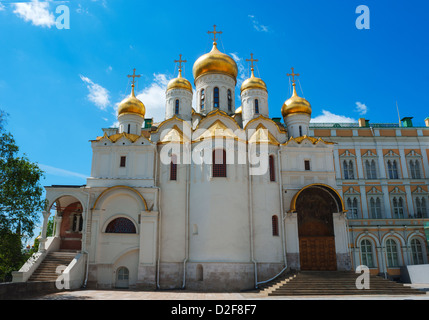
(315, 206)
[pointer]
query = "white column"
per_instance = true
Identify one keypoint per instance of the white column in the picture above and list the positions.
(386, 198)
(403, 164)
(42, 239)
(410, 204)
(364, 202)
(359, 164)
(58, 220)
(381, 163)
(425, 162)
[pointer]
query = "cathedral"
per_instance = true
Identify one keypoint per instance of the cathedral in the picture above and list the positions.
(220, 197)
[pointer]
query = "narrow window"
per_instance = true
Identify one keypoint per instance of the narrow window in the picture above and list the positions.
(392, 253)
(375, 207)
(307, 165)
(256, 106)
(173, 168)
(417, 252)
(219, 163)
(176, 110)
(366, 250)
(398, 208)
(216, 97)
(129, 128)
(272, 169)
(300, 131)
(202, 100)
(123, 161)
(373, 171)
(352, 206)
(229, 100)
(421, 208)
(275, 225)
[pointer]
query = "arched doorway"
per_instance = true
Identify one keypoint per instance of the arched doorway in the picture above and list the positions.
(122, 278)
(315, 206)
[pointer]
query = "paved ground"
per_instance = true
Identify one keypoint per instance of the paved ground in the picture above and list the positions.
(184, 295)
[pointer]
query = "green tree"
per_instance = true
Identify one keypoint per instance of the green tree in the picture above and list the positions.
(20, 201)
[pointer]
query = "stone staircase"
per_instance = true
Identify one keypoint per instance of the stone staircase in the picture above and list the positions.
(316, 283)
(46, 270)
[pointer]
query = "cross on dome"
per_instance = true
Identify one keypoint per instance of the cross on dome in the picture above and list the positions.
(134, 76)
(251, 62)
(180, 63)
(214, 33)
(293, 74)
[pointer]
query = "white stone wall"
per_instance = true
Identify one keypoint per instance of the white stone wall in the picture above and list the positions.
(185, 104)
(208, 82)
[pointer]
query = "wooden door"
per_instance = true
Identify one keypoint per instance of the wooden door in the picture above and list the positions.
(316, 230)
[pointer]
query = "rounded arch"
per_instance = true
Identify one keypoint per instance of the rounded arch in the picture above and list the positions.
(369, 236)
(65, 198)
(120, 216)
(395, 236)
(338, 199)
(105, 192)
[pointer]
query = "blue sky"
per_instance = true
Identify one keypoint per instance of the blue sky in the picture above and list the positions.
(60, 87)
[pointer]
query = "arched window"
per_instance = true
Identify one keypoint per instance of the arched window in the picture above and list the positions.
(256, 106)
(415, 169)
(216, 97)
(229, 100)
(352, 206)
(275, 225)
(398, 208)
(392, 253)
(300, 131)
(272, 168)
(121, 225)
(392, 168)
(173, 167)
(348, 169)
(176, 108)
(375, 207)
(417, 251)
(129, 128)
(366, 251)
(202, 100)
(421, 210)
(371, 172)
(219, 163)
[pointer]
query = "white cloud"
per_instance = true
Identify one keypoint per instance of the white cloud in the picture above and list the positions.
(329, 117)
(361, 108)
(153, 97)
(97, 94)
(2, 7)
(36, 12)
(60, 172)
(241, 69)
(256, 25)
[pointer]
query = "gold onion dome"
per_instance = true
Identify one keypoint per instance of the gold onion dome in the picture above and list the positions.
(239, 110)
(215, 62)
(179, 83)
(253, 83)
(295, 104)
(132, 105)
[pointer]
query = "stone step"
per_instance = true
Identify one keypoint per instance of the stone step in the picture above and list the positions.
(47, 269)
(336, 283)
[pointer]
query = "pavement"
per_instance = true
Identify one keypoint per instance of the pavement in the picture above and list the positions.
(187, 295)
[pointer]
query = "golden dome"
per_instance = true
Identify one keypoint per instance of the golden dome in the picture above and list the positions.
(179, 83)
(239, 110)
(131, 105)
(215, 62)
(253, 83)
(295, 104)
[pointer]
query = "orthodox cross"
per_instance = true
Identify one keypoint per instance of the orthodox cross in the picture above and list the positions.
(134, 76)
(180, 62)
(251, 61)
(293, 74)
(214, 33)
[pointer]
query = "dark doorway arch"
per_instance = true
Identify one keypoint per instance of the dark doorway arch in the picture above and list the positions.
(315, 206)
